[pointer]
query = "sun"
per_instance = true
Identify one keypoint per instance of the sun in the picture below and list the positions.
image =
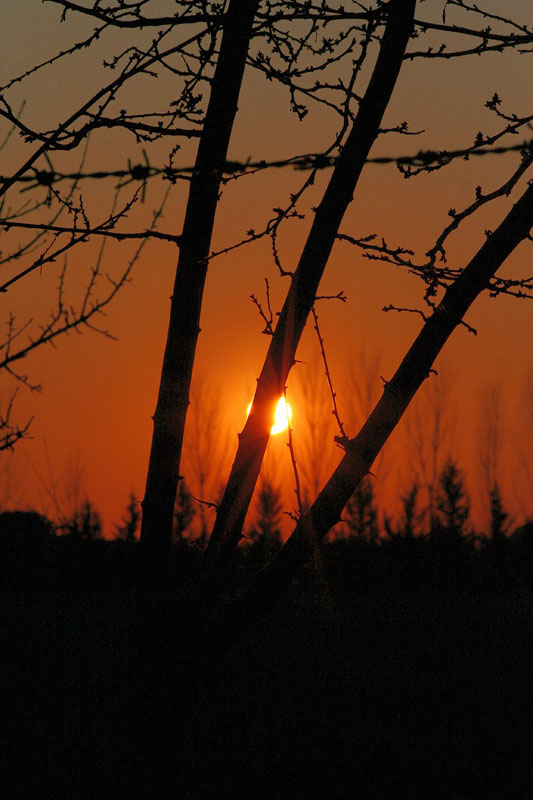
(282, 416)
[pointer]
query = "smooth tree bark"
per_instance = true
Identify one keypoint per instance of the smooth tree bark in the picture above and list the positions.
(186, 301)
(361, 451)
(304, 285)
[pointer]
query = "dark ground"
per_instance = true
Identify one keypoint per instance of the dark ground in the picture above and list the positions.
(394, 678)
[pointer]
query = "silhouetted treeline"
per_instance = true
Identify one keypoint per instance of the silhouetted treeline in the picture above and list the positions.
(420, 551)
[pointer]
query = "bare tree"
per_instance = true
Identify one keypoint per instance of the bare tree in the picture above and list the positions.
(63, 492)
(304, 284)
(323, 55)
(490, 439)
(314, 428)
(429, 434)
(524, 443)
(204, 454)
(361, 389)
(130, 521)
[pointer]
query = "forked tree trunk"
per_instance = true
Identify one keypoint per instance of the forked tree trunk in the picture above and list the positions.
(184, 325)
(362, 450)
(302, 293)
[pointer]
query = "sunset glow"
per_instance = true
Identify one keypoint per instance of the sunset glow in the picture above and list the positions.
(281, 418)
(207, 202)
(99, 393)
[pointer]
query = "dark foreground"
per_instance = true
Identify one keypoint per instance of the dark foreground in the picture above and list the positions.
(361, 683)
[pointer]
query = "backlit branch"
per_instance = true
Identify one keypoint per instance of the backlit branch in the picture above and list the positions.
(77, 235)
(437, 274)
(65, 137)
(267, 315)
(20, 341)
(481, 199)
(99, 230)
(129, 16)
(10, 433)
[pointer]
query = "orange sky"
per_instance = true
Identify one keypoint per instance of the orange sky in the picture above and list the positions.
(98, 394)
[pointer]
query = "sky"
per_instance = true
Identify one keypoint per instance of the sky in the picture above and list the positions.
(91, 427)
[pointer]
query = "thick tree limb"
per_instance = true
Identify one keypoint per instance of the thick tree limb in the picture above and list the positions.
(195, 241)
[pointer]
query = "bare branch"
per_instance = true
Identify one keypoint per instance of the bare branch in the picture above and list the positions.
(267, 316)
(10, 433)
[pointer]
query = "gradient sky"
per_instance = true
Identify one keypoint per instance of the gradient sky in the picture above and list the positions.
(99, 394)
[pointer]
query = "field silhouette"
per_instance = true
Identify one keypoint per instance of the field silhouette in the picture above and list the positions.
(400, 670)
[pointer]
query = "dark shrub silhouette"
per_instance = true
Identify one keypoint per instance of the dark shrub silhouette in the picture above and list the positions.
(25, 544)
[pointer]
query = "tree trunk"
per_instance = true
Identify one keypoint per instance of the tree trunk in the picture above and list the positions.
(397, 394)
(173, 399)
(302, 293)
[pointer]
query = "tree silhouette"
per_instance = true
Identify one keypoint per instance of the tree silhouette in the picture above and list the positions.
(499, 518)
(265, 534)
(410, 524)
(360, 513)
(453, 505)
(205, 448)
(429, 432)
(184, 511)
(523, 445)
(154, 685)
(85, 523)
(130, 523)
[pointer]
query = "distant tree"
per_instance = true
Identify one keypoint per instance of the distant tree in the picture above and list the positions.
(63, 491)
(360, 514)
(410, 523)
(523, 444)
(428, 436)
(453, 506)
(499, 518)
(85, 523)
(498, 544)
(184, 512)
(361, 389)
(315, 428)
(522, 542)
(490, 439)
(265, 535)
(205, 452)
(130, 522)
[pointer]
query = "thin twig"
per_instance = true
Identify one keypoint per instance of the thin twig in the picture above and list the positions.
(290, 445)
(342, 438)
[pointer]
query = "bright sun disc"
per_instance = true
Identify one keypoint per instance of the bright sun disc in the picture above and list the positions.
(282, 416)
